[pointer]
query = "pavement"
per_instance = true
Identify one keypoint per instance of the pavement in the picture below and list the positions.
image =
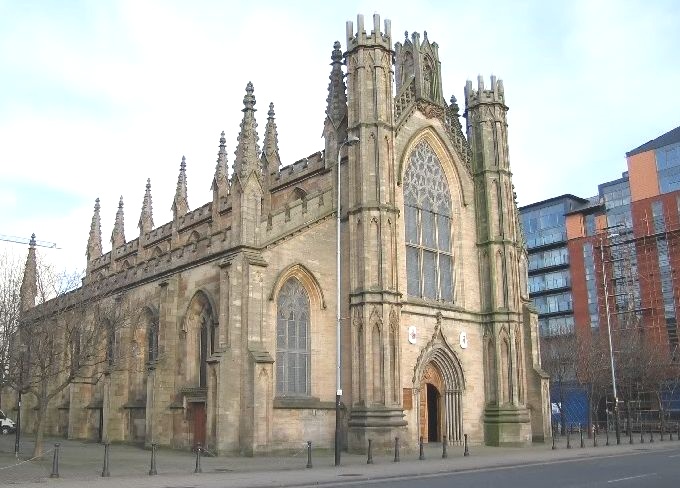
(81, 464)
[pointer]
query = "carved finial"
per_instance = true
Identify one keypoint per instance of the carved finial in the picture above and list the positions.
(270, 153)
(146, 217)
(336, 108)
(425, 35)
(220, 183)
(405, 36)
(118, 234)
(29, 284)
(180, 205)
(94, 242)
(454, 104)
(247, 150)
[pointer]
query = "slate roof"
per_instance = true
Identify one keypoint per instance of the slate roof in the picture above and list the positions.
(670, 137)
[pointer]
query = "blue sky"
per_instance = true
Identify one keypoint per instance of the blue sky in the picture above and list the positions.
(96, 97)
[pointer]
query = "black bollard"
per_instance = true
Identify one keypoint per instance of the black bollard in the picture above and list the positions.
(630, 434)
(105, 469)
(642, 429)
(553, 440)
(662, 429)
(422, 451)
(309, 454)
(198, 468)
(444, 446)
(370, 452)
(55, 462)
(594, 436)
(467, 451)
(153, 471)
(569, 437)
(580, 429)
(396, 449)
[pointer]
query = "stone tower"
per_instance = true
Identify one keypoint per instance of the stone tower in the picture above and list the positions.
(371, 213)
(506, 415)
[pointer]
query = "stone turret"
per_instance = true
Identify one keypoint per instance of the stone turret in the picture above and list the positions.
(374, 301)
(335, 125)
(28, 293)
(180, 204)
(94, 242)
(146, 217)
(118, 234)
(247, 191)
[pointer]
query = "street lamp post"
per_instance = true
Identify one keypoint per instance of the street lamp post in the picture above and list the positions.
(350, 141)
(609, 336)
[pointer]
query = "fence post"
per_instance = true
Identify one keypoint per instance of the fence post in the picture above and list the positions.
(580, 429)
(594, 436)
(467, 451)
(55, 462)
(198, 468)
(105, 469)
(554, 433)
(569, 436)
(153, 471)
(396, 449)
(606, 432)
(444, 453)
(422, 451)
(309, 454)
(370, 452)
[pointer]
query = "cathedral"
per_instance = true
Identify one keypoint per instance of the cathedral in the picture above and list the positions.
(397, 245)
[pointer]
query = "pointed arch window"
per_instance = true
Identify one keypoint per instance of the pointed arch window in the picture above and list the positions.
(427, 215)
(292, 340)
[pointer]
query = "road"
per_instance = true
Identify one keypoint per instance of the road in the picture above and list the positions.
(641, 468)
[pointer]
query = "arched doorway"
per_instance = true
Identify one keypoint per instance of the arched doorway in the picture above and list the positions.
(430, 410)
(433, 413)
(438, 379)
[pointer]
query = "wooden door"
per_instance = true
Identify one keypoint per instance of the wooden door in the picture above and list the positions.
(199, 421)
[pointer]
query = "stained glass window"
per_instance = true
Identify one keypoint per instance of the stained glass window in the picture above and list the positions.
(292, 340)
(427, 214)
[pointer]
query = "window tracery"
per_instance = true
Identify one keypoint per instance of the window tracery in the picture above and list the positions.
(427, 213)
(292, 340)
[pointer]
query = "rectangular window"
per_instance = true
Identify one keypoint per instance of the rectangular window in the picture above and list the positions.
(427, 224)
(445, 268)
(413, 271)
(411, 225)
(443, 233)
(429, 275)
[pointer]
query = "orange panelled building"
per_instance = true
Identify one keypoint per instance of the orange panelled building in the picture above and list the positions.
(625, 239)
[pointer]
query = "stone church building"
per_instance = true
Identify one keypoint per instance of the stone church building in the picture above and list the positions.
(235, 345)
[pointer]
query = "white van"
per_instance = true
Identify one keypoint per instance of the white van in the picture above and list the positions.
(7, 425)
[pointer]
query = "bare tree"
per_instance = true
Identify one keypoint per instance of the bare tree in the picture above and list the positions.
(592, 371)
(71, 336)
(558, 359)
(11, 270)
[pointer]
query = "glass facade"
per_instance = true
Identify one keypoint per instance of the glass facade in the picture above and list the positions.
(591, 285)
(668, 167)
(549, 276)
(665, 272)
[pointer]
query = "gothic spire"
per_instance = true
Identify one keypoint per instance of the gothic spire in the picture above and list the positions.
(118, 234)
(220, 181)
(146, 217)
(336, 108)
(94, 243)
(180, 205)
(29, 284)
(247, 150)
(270, 154)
